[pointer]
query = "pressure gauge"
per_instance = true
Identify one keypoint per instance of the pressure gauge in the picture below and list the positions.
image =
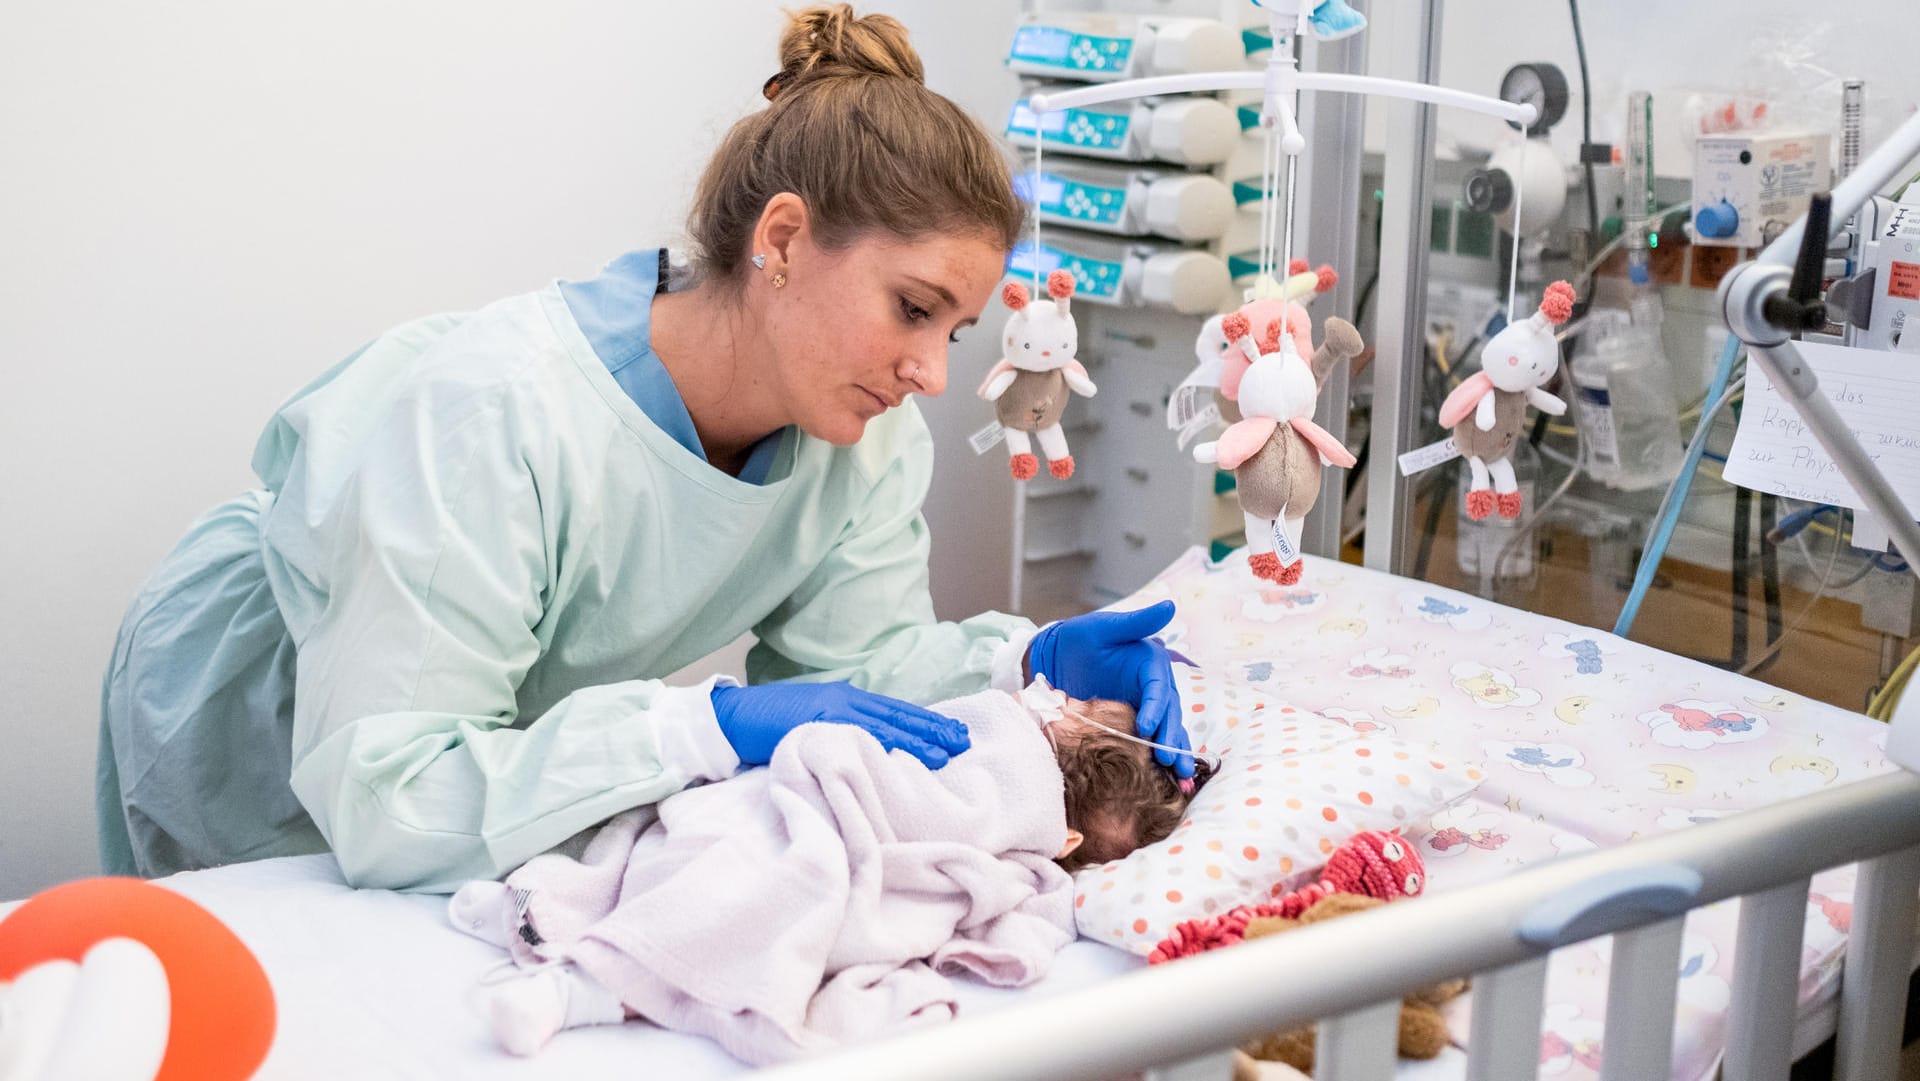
(1540, 85)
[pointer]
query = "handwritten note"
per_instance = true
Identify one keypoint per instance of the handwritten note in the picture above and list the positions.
(1877, 395)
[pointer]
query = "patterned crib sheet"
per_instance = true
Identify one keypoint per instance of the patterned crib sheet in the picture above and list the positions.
(1589, 741)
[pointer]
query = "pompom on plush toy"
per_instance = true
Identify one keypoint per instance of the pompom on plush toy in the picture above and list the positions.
(1267, 302)
(1488, 412)
(1377, 864)
(1275, 450)
(1423, 1031)
(1029, 386)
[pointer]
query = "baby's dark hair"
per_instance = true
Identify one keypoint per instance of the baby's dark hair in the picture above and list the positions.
(1119, 797)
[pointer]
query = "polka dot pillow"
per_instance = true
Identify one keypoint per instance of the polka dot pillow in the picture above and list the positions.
(1291, 786)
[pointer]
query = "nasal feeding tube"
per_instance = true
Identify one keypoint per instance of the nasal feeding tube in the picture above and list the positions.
(1048, 705)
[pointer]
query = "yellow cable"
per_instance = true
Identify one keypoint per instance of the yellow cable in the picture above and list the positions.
(1880, 707)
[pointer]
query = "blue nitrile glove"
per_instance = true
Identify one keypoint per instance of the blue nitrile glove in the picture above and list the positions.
(1108, 655)
(755, 719)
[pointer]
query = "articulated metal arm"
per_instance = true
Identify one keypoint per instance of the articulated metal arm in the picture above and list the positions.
(1755, 297)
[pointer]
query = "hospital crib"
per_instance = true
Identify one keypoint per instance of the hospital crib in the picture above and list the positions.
(1173, 1020)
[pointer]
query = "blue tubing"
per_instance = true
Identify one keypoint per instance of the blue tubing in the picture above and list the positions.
(1663, 530)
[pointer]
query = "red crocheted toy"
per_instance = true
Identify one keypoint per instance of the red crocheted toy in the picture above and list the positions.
(1377, 863)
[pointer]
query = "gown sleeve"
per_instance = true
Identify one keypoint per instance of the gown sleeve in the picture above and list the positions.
(865, 614)
(408, 749)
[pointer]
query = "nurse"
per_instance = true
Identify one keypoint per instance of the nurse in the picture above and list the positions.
(432, 640)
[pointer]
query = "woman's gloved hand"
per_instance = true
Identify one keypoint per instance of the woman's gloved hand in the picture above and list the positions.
(756, 719)
(1109, 655)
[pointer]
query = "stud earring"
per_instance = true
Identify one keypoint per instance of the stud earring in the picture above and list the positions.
(779, 280)
(759, 262)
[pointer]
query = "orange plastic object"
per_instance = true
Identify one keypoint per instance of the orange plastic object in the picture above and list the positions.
(223, 1010)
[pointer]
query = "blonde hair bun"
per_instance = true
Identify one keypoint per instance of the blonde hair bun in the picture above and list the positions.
(830, 39)
(855, 133)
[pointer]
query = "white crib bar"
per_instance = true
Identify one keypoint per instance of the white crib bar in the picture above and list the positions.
(1766, 983)
(1505, 1042)
(1358, 1046)
(1879, 956)
(1177, 1012)
(1638, 1042)
(1213, 1066)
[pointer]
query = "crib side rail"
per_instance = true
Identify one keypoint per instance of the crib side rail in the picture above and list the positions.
(1345, 970)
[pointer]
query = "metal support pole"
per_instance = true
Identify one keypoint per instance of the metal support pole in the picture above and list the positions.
(1413, 52)
(1329, 182)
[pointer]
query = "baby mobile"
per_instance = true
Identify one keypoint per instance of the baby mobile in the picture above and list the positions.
(1038, 366)
(1267, 388)
(1259, 370)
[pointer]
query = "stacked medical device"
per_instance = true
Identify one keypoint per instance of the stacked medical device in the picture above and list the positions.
(1136, 200)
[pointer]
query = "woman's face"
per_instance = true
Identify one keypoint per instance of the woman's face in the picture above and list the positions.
(858, 330)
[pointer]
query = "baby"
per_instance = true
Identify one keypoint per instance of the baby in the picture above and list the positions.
(824, 899)
(1117, 798)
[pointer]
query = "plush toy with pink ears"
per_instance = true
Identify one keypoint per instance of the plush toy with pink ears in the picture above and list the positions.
(1038, 368)
(1488, 412)
(1275, 450)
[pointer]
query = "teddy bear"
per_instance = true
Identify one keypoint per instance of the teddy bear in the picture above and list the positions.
(1423, 1032)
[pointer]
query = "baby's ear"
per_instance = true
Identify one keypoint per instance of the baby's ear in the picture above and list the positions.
(1074, 839)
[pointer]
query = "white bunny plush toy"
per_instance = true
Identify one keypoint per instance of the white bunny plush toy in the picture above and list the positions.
(1488, 412)
(1030, 385)
(1275, 450)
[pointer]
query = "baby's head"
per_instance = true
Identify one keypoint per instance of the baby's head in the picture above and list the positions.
(1118, 797)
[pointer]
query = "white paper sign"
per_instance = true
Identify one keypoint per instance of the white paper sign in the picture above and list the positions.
(1868, 534)
(1427, 457)
(983, 440)
(1877, 395)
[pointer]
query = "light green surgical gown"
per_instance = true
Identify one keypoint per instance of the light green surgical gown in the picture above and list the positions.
(432, 641)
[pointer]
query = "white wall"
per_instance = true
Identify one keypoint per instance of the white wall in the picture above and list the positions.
(202, 205)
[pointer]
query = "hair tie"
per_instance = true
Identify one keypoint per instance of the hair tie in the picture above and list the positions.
(775, 83)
